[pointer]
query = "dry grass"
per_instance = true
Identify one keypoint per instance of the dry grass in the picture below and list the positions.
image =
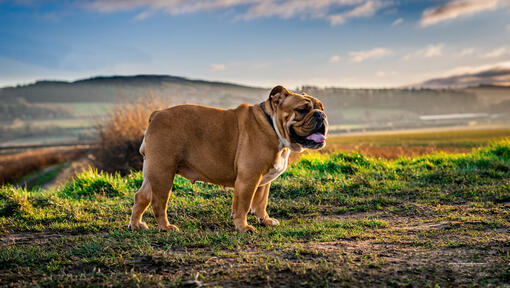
(393, 145)
(467, 137)
(120, 137)
(394, 152)
(15, 166)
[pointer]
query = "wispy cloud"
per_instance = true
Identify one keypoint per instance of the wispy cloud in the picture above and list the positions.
(458, 8)
(334, 59)
(382, 73)
(367, 9)
(397, 22)
(251, 9)
(217, 67)
(143, 15)
(498, 52)
(360, 56)
(466, 52)
(432, 50)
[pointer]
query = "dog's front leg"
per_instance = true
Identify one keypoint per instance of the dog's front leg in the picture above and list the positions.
(259, 205)
(243, 196)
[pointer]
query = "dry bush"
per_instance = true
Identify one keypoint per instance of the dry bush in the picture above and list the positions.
(121, 135)
(15, 166)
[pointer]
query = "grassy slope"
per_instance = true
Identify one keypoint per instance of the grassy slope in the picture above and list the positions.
(346, 220)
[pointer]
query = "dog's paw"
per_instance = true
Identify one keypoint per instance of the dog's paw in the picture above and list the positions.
(247, 229)
(169, 228)
(269, 221)
(138, 226)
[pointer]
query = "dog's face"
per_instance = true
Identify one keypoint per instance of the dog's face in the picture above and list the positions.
(300, 118)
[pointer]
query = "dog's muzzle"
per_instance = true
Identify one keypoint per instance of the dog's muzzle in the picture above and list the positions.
(317, 139)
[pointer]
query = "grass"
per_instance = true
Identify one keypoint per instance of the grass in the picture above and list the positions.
(346, 220)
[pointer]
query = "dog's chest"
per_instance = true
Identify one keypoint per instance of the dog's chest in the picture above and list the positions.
(279, 166)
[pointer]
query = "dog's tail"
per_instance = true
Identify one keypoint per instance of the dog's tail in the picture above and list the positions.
(142, 146)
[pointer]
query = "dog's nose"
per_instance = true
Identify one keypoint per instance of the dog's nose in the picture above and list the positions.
(317, 115)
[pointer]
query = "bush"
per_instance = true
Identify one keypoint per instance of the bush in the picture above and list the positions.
(120, 137)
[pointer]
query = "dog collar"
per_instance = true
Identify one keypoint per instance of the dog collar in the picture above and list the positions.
(272, 122)
(268, 117)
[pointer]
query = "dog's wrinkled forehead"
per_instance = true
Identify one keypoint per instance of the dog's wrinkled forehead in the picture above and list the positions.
(281, 96)
(316, 104)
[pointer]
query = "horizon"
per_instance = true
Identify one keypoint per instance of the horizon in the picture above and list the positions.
(334, 43)
(243, 84)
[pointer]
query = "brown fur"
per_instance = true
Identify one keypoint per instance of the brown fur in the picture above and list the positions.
(235, 148)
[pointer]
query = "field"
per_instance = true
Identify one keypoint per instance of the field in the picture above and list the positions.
(392, 145)
(346, 220)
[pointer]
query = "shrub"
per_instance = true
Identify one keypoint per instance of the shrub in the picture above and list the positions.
(121, 135)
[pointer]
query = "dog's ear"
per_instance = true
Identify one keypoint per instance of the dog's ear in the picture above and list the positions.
(278, 94)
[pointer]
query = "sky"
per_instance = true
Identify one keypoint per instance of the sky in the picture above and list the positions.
(346, 43)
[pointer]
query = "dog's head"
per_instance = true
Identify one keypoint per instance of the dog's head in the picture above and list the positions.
(300, 119)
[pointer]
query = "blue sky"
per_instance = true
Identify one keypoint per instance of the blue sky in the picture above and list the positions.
(350, 43)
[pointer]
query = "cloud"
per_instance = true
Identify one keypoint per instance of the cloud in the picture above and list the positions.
(467, 51)
(360, 56)
(432, 50)
(397, 22)
(498, 52)
(458, 8)
(217, 67)
(382, 73)
(368, 9)
(250, 9)
(334, 59)
(143, 15)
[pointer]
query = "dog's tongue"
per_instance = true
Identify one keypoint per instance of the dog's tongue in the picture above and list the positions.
(316, 137)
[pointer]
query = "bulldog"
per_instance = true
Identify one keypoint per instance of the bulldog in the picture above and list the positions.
(246, 148)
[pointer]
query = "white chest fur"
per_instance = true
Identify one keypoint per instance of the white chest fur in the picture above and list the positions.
(279, 166)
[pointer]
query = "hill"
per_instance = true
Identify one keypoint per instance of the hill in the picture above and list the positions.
(178, 90)
(495, 76)
(50, 111)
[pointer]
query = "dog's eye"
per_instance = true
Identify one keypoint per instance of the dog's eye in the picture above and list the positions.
(302, 111)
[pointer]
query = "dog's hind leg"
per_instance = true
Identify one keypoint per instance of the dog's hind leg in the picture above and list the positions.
(161, 181)
(142, 200)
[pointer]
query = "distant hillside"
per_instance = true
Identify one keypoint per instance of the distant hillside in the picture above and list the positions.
(344, 106)
(495, 76)
(178, 90)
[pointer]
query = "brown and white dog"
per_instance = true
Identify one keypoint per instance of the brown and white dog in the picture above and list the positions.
(245, 148)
